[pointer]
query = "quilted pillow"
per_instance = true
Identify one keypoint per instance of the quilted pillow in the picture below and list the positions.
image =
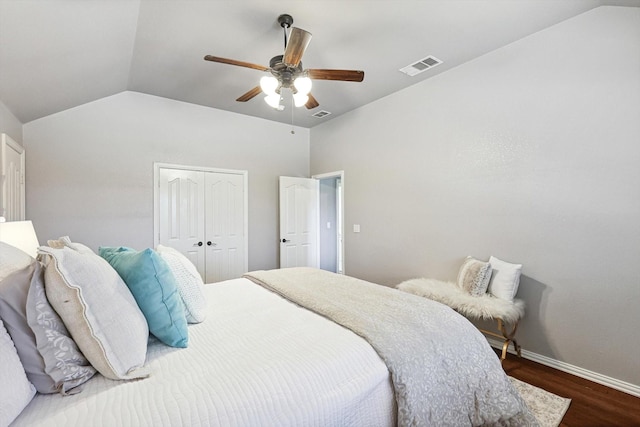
(15, 389)
(505, 279)
(98, 310)
(153, 286)
(474, 276)
(188, 281)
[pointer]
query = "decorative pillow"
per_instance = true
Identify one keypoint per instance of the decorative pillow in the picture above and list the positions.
(13, 300)
(474, 276)
(98, 310)
(12, 259)
(63, 361)
(188, 281)
(153, 286)
(15, 389)
(66, 241)
(505, 279)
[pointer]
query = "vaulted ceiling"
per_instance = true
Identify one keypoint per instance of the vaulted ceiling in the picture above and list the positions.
(58, 54)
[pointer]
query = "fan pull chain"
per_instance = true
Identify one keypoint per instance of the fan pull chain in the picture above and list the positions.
(293, 132)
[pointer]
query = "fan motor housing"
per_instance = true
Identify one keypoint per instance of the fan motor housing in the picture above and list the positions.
(286, 75)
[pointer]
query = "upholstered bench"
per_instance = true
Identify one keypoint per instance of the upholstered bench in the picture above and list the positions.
(481, 306)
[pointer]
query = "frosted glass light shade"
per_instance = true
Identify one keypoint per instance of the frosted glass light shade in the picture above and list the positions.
(21, 235)
(268, 84)
(273, 100)
(299, 99)
(303, 85)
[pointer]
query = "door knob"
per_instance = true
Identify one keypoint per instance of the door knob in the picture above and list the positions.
(197, 244)
(209, 243)
(285, 240)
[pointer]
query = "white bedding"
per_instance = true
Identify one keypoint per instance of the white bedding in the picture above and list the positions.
(257, 360)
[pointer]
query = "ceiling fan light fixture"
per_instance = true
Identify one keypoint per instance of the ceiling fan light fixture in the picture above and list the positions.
(269, 84)
(303, 85)
(273, 100)
(286, 71)
(300, 99)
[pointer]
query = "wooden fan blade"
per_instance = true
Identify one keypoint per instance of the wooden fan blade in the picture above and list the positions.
(234, 62)
(342, 75)
(311, 103)
(298, 42)
(250, 95)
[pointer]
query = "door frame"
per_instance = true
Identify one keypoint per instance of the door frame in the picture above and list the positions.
(156, 199)
(340, 214)
(6, 143)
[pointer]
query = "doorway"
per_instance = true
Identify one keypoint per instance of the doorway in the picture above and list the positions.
(331, 220)
(312, 221)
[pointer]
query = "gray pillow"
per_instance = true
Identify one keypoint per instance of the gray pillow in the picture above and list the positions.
(63, 361)
(51, 359)
(13, 301)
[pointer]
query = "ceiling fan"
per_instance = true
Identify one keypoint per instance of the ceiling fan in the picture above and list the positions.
(286, 71)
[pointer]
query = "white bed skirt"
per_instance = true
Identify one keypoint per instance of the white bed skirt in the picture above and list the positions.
(257, 360)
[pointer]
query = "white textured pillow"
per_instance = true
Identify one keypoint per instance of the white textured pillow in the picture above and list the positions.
(98, 310)
(189, 283)
(15, 390)
(12, 259)
(474, 276)
(505, 279)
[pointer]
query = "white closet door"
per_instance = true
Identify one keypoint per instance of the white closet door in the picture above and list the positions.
(225, 245)
(203, 214)
(181, 213)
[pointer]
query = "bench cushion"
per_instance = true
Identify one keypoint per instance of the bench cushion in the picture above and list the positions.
(485, 307)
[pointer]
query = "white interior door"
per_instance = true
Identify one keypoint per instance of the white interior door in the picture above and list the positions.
(181, 209)
(298, 222)
(12, 195)
(225, 245)
(202, 213)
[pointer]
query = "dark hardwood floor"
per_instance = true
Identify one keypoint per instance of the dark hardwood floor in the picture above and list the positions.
(592, 404)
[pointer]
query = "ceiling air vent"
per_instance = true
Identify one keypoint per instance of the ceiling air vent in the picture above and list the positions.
(320, 114)
(421, 66)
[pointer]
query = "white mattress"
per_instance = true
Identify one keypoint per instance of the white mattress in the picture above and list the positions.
(257, 360)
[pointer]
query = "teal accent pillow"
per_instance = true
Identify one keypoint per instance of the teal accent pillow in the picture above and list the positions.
(154, 288)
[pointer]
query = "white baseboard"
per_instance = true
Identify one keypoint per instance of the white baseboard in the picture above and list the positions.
(614, 383)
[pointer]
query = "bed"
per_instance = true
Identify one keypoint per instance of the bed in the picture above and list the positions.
(284, 347)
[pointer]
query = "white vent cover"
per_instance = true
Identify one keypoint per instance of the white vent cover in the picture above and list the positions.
(320, 114)
(421, 66)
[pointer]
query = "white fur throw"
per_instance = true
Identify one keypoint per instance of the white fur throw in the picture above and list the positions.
(483, 307)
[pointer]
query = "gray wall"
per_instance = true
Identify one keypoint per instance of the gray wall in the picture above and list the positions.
(530, 153)
(90, 168)
(9, 124)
